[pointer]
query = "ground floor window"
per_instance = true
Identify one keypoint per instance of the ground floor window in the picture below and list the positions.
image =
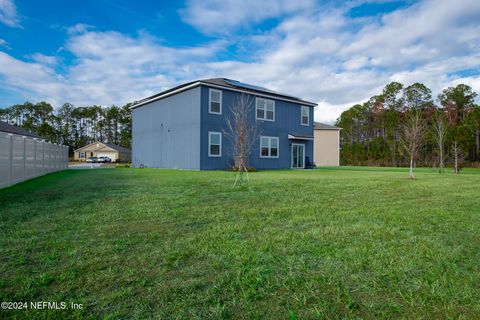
(82, 155)
(269, 147)
(214, 144)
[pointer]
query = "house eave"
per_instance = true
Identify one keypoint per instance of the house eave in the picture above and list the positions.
(329, 129)
(299, 137)
(198, 83)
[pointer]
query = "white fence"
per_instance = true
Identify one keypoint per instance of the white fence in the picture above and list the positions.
(23, 158)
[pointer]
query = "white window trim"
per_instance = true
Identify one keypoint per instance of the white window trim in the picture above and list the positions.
(308, 116)
(209, 144)
(270, 147)
(210, 101)
(264, 110)
(81, 155)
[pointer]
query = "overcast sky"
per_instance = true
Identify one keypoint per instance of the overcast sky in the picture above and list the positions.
(333, 53)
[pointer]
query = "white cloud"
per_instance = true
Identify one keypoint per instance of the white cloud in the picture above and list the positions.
(8, 13)
(108, 68)
(223, 16)
(4, 43)
(79, 28)
(43, 59)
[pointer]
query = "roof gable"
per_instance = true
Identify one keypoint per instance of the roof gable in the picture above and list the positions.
(102, 146)
(91, 145)
(224, 83)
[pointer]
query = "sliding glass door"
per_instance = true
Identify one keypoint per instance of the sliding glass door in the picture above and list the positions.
(298, 155)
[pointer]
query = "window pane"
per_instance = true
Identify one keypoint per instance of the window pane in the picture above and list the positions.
(304, 120)
(261, 103)
(269, 115)
(215, 107)
(264, 142)
(214, 138)
(274, 152)
(304, 111)
(265, 152)
(274, 143)
(215, 96)
(270, 105)
(260, 114)
(214, 149)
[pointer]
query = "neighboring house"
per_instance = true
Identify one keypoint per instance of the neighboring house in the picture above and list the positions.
(327, 145)
(184, 127)
(8, 128)
(102, 149)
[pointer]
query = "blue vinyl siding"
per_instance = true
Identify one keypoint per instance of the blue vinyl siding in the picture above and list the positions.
(287, 121)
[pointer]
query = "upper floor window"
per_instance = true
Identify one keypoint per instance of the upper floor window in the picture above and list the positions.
(268, 147)
(215, 101)
(305, 116)
(265, 109)
(214, 144)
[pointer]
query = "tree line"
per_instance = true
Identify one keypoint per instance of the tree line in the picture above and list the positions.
(73, 126)
(404, 124)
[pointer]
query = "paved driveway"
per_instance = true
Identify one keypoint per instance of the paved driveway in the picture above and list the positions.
(85, 166)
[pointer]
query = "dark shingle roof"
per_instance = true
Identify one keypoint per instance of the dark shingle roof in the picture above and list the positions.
(110, 145)
(228, 83)
(5, 127)
(324, 126)
(118, 148)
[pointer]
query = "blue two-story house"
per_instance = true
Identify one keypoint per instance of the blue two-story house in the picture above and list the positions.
(185, 127)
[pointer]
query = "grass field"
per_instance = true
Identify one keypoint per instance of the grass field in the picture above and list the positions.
(330, 243)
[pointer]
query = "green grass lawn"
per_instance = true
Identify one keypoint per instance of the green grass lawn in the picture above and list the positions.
(329, 243)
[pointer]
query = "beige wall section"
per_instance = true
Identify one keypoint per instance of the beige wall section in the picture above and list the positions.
(326, 149)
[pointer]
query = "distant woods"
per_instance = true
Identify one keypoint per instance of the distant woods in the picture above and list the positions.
(374, 133)
(73, 126)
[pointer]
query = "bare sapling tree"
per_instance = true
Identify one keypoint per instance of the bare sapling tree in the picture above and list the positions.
(439, 133)
(412, 138)
(243, 131)
(458, 156)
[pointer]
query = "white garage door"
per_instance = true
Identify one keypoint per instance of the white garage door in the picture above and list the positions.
(112, 156)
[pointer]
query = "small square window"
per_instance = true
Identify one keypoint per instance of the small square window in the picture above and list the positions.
(265, 109)
(268, 147)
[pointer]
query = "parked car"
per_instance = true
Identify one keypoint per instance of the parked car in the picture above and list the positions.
(104, 159)
(92, 160)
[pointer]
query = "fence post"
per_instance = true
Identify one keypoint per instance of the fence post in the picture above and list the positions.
(24, 158)
(10, 177)
(43, 158)
(34, 157)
